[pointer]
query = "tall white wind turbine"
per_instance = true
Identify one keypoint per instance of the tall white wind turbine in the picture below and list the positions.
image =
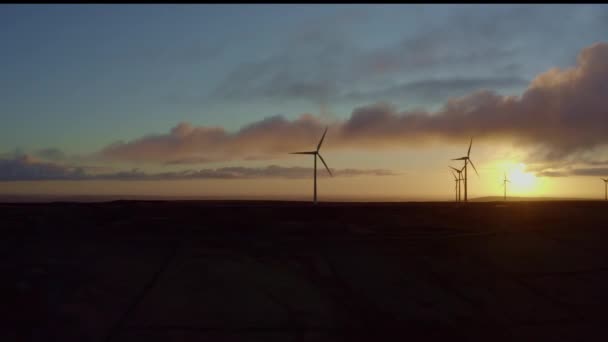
(605, 188)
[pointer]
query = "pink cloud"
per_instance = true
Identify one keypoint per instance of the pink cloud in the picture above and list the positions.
(563, 111)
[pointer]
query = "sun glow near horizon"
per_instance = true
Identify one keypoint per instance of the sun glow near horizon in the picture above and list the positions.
(522, 182)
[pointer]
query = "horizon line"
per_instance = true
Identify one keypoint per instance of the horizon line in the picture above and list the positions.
(46, 198)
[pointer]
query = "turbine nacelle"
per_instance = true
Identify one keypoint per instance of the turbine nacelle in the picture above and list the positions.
(505, 178)
(316, 152)
(457, 170)
(455, 178)
(468, 160)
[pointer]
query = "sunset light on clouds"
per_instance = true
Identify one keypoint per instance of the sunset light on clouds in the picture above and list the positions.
(208, 100)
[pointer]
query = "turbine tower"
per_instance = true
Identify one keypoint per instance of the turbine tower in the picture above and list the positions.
(315, 154)
(467, 160)
(605, 188)
(505, 180)
(456, 185)
(459, 179)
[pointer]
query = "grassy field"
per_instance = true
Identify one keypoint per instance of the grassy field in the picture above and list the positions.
(289, 271)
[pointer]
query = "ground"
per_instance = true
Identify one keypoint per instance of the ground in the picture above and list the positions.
(272, 271)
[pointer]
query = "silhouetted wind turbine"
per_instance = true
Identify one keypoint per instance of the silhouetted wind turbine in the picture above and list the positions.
(459, 179)
(467, 160)
(605, 188)
(456, 183)
(316, 153)
(505, 180)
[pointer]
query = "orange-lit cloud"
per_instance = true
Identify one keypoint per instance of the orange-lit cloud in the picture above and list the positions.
(562, 111)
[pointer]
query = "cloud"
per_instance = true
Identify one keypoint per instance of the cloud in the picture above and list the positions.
(599, 172)
(552, 174)
(603, 172)
(596, 162)
(26, 168)
(53, 154)
(185, 161)
(441, 48)
(327, 62)
(185, 142)
(323, 61)
(437, 89)
(287, 77)
(562, 112)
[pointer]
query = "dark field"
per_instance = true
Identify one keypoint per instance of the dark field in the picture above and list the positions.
(271, 271)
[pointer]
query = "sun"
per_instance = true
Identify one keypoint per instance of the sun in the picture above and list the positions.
(520, 178)
(522, 182)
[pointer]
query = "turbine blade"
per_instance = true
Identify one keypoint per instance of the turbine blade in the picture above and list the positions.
(473, 165)
(456, 178)
(470, 144)
(321, 142)
(327, 167)
(461, 158)
(311, 152)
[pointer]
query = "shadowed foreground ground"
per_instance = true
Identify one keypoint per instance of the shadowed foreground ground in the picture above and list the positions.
(271, 271)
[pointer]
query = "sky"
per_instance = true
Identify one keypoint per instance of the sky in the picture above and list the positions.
(208, 100)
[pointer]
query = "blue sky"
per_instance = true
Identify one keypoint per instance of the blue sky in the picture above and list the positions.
(97, 73)
(81, 77)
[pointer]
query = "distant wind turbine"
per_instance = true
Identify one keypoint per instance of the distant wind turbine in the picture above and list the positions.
(456, 185)
(505, 180)
(316, 153)
(459, 179)
(467, 160)
(605, 188)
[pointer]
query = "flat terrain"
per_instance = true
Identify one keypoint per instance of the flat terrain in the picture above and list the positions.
(272, 271)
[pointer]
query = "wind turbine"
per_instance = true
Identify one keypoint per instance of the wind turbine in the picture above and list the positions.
(456, 185)
(459, 178)
(505, 180)
(316, 153)
(467, 160)
(605, 188)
